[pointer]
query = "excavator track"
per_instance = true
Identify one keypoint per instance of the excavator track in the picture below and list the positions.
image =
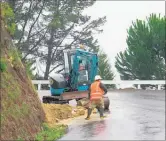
(54, 100)
(67, 96)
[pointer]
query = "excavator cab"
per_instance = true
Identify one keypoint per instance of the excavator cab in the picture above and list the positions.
(81, 68)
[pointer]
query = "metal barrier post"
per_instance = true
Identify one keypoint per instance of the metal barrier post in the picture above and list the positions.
(39, 86)
(159, 87)
(139, 86)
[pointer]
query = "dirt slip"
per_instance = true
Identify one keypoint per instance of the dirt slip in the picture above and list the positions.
(56, 112)
(62, 113)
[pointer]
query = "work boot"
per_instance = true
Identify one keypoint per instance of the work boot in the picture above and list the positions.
(87, 118)
(89, 113)
(103, 117)
(101, 111)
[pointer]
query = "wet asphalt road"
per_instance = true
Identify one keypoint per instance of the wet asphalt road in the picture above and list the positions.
(135, 115)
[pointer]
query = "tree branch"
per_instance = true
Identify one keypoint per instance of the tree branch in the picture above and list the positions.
(55, 67)
(36, 20)
(29, 51)
(23, 30)
(68, 31)
(60, 70)
(20, 8)
(37, 32)
(76, 38)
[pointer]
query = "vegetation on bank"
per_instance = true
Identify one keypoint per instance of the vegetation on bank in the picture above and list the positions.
(20, 107)
(12, 93)
(8, 17)
(51, 133)
(11, 89)
(2, 65)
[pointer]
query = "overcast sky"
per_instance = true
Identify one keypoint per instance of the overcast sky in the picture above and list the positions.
(120, 15)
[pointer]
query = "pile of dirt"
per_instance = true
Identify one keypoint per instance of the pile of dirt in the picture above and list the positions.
(21, 111)
(78, 111)
(56, 112)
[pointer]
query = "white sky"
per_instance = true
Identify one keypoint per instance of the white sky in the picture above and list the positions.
(120, 15)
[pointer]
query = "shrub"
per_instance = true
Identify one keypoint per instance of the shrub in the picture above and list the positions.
(51, 133)
(3, 66)
(8, 15)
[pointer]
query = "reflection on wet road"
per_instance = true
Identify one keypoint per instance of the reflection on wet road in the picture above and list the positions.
(135, 115)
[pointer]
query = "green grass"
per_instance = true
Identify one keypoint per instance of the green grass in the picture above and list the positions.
(7, 76)
(14, 93)
(19, 139)
(34, 88)
(8, 83)
(25, 109)
(16, 61)
(51, 133)
(15, 112)
(14, 54)
(11, 94)
(2, 118)
(3, 65)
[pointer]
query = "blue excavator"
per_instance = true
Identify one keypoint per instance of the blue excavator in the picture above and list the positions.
(80, 68)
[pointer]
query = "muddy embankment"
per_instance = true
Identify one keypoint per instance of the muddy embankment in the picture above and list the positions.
(21, 112)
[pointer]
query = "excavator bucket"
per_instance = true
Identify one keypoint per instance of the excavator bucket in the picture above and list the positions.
(85, 103)
(74, 95)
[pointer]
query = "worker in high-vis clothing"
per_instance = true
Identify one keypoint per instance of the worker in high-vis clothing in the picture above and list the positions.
(96, 92)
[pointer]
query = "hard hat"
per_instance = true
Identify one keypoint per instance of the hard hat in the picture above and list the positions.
(81, 46)
(98, 77)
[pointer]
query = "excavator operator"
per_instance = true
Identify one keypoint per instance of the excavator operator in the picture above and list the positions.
(96, 92)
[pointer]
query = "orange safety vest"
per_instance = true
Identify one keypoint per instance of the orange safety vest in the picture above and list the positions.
(96, 91)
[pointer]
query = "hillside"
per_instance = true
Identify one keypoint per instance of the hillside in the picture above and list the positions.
(23, 117)
(21, 111)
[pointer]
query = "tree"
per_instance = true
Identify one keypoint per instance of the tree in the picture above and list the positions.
(104, 69)
(63, 32)
(46, 28)
(144, 58)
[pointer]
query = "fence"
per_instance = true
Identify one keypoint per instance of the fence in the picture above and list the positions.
(118, 83)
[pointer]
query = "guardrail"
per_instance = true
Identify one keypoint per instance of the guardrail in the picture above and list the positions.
(126, 82)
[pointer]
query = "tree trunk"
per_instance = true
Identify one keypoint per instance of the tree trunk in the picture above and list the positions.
(47, 68)
(48, 62)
